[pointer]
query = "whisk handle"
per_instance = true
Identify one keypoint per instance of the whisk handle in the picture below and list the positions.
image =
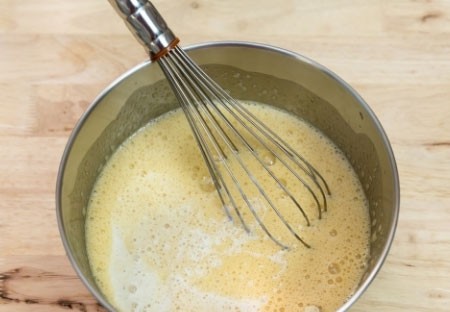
(147, 25)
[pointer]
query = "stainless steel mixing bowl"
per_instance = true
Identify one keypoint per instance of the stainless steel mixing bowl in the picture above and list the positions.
(249, 71)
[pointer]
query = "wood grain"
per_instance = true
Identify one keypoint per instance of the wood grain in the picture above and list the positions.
(56, 56)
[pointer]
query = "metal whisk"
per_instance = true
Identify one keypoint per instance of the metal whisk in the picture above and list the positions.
(248, 163)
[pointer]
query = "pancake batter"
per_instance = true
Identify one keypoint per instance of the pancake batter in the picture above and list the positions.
(159, 240)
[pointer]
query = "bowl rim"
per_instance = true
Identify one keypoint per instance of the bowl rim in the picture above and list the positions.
(243, 44)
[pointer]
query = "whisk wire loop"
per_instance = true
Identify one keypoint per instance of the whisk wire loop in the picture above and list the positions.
(200, 95)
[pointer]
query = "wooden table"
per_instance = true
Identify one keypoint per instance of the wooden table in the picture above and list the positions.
(56, 56)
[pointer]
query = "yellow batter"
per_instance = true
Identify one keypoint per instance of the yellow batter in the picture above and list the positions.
(159, 240)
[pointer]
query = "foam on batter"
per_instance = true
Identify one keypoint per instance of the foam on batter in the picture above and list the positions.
(159, 240)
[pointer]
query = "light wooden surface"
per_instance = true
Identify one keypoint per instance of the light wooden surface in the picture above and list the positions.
(56, 56)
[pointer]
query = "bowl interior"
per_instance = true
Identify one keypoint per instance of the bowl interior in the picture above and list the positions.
(249, 72)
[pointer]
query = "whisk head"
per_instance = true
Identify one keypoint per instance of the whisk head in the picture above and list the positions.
(249, 164)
